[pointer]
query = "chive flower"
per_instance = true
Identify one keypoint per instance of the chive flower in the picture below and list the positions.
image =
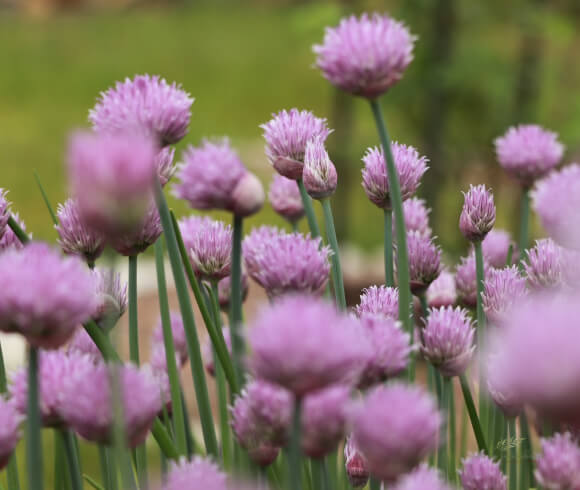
(319, 174)
(502, 289)
(558, 464)
(478, 214)
(379, 300)
(284, 197)
(479, 471)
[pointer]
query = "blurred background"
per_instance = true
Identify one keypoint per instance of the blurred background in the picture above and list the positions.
(479, 67)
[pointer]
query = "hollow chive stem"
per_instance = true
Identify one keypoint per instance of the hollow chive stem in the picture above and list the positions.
(337, 278)
(524, 222)
(526, 469)
(71, 458)
(309, 210)
(389, 270)
(238, 347)
(483, 403)
(295, 456)
(479, 437)
(19, 232)
(34, 440)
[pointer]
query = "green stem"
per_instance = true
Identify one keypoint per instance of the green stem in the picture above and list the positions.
(309, 209)
(19, 232)
(238, 347)
(34, 440)
(479, 437)
(524, 223)
(452, 473)
(294, 225)
(513, 468)
(337, 278)
(72, 460)
(374, 484)
(317, 474)
(106, 476)
(463, 434)
(526, 469)
(168, 342)
(442, 390)
(196, 362)
(397, 203)
(389, 273)
(59, 463)
(483, 404)
(295, 456)
(332, 468)
(45, 199)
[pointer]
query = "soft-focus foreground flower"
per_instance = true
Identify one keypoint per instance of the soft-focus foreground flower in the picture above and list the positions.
(111, 298)
(410, 168)
(9, 431)
(285, 199)
(423, 478)
(395, 428)
(208, 351)
(502, 289)
(556, 200)
(447, 340)
(325, 417)
(319, 174)
(286, 262)
(545, 265)
(139, 239)
(442, 292)
(87, 406)
(424, 261)
(209, 246)
(286, 135)
(466, 280)
(379, 300)
(365, 56)
(225, 291)
(495, 247)
(44, 296)
(148, 105)
(199, 473)
(478, 214)
(75, 237)
(305, 344)
(82, 343)
(9, 239)
(558, 465)
(111, 177)
(480, 472)
(528, 152)
(355, 464)
(179, 338)
(416, 214)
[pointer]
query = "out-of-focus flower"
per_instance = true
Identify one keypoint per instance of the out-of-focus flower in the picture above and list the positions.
(495, 247)
(141, 238)
(319, 174)
(208, 351)
(502, 289)
(286, 135)
(466, 280)
(356, 467)
(478, 214)
(422, 478)
(82, 343)
(528, 152)
(179, 338)
(225, 291)
(424, 261)
(379, 300)
(571, 261)
(9, 240)
(111, 297)
(410, 168)
(545, 265)
(365, 56)
(199, 473)
(479, 472)
(248, 196)
(442, 292)
(9, 431)
(416, 214)
(285, 199)
(4, 212)
(165, 164)
(558, 465)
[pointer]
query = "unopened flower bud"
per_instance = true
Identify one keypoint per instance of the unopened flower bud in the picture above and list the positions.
(248, 196)
(478, 214)
(319, 173)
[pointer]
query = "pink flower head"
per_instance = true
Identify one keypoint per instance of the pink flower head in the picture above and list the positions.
(286, 262)
(9, 431)
(379, 300)
(478, 214)
(82, 343)
(495, 247)
(179, 338)
(305, 344)
(416, 215)
(424, 261)
(4, 212)
(139, 239)
(225, 291)
(208, 350)
(528, 152)
(9, 240)
(395, 428)
(365, 56)
(422, 478)
(286, 135)
(442, 292)
(466, 280)
(558, 465)
(45, 297)
(285, 199)
(479, 471)
(319, 174)
(502, 289)
(545, 265)
(390, 349)
(556, 200)
(325, 417)
(410, 168)
(209, 246)
(86, 406)
(75, 238)
(147, 105)
(209, 175)
(355, 464)
(197, 474)
(111, 177)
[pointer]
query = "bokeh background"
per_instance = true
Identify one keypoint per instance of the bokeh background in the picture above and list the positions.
(479, 67)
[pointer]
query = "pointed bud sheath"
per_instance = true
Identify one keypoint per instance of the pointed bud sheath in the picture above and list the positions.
(248, 196)
(356, 466)
(478, 214)
(319, 173)
(558, 465)
(479, 471)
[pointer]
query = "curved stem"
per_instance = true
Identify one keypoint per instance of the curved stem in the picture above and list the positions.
(479, 437)
(337, 278)
(309, 209)
(389, 272)
(34, 440)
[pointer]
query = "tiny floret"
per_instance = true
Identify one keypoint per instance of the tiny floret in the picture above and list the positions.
(319, 175)
(558, 465)
(284, 197)
(479, 472)
(379, 300)
(478, 214)
(502, 289)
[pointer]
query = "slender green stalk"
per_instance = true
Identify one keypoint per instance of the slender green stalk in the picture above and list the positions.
(443, 389)
(34, 440)
(524, 222)
(106, 476)
(294, 225)
(92, 482)
(389, 272)
(59, 462)
(168, 342)
(196, 362)
(452, 473)
(374, 484)
(295, 456)
(332, 468)
(337, 279)
(19, 232)
(479, 437)
(526, 469)
(309, 209)
(463, 433)
(238, 347)
(484, 407)
(72, 461)
(45, 199)
(513, 468)
(397, 203)
(317, 474)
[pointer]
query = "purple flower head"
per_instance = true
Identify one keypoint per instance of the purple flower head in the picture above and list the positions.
(111, 177)
(45, 296)
(225, 291)
(442, 292)
(139, 239)
(194, 475)
(286, 135)
(424, 261)
(305, 344)
(466, 280)
(545, 265)
(209, 246)
(395, 428)
(74, 237)
(179, 338)
(111, 297)
(410, 168)
(4, 212)
(558, 465)
(147, 105)
(248, 196)
(319, 174)
(208, 350)
(416, 215)
(478, 214)
(356, 466)
(325, 417)
(390, 349)
(556, 200)
(86, 407)
(165, 164)
(10, 421)
(209, 174)
(284, 197)
(365, 56)
(422, 478)
(379, 300)
(479, 472)
(528, 152)
(495, 247)
(286, 262)
(82, 343)
(9, 240)
(502, 289)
